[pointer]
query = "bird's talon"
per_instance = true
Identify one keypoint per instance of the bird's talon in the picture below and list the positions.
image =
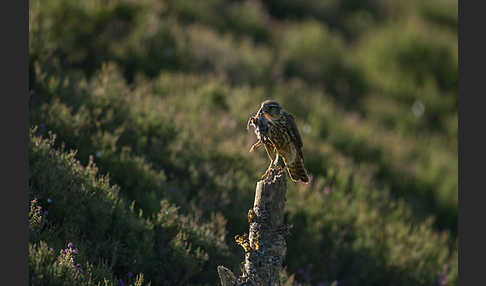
(267, 173)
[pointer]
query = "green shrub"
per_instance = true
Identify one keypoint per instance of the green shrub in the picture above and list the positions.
(443, 13)
(350, 17)
(414, 66)
(243, 19)
(86, 209)
(311, 52)
(79, 34)
(355, 236)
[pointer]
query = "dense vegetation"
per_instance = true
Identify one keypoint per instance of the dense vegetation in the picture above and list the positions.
(138, 153)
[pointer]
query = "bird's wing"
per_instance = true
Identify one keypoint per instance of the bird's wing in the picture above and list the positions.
(294, 133)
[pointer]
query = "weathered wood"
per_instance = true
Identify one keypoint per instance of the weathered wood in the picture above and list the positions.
(265, 246)
(226, 276)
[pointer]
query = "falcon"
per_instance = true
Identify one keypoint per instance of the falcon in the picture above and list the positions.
(277, 132)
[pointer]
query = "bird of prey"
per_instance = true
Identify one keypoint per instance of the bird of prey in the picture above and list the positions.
(277, 132)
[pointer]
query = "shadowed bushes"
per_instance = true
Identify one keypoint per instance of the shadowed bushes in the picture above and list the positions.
(309, 51)
(84, 208)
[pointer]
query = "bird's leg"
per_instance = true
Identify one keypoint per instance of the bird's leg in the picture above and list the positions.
(277, 163)
(271, 151)
(269, 169)
(256, 145)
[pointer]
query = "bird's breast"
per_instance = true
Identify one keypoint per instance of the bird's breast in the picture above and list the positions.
(278, 135)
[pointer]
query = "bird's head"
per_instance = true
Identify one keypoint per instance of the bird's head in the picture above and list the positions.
(271, 110)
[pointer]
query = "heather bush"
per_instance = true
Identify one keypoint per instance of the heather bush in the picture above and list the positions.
(79, 34)
(419, 71)
(310, 51)
(349, 17)
(85, 208)
(361, 238)
(240, 18)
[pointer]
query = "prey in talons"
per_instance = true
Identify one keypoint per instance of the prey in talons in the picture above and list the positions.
(261, 126)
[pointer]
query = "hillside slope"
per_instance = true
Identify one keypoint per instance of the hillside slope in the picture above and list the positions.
(154, 96)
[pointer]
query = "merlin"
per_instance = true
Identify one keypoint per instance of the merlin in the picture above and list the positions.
(277, 132)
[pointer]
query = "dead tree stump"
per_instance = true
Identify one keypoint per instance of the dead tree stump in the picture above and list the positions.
(265, 246)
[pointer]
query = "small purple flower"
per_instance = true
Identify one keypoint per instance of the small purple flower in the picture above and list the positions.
(122, 283)
(130, 274)
(70, 245)
(76, 251)
(442, 279)
(327, 190)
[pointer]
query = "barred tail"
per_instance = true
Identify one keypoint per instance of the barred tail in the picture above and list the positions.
(297, 170)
